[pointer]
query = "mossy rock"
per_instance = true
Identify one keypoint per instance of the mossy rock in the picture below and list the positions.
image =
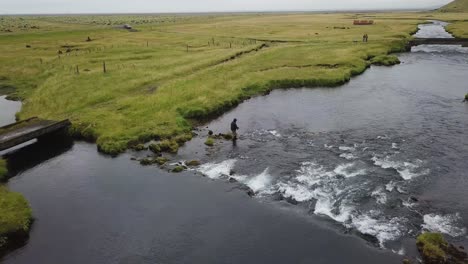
(193, 163)
(178, 169)
(183, 138)
(161, 160)
(432, 247)
(147, 161)
(209, 142)
(155, 148)
(169, 146)
(139, 147)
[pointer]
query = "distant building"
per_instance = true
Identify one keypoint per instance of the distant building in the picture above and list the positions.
(363, 22)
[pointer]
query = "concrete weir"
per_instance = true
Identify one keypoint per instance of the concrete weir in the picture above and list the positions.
(437, 41)
(23, 131)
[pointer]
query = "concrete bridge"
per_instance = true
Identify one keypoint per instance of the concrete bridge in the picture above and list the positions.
(23, 131)
(437, 41)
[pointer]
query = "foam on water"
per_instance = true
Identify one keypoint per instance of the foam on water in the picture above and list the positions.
(379, 195)
(348, 156)
(346, 148)
(448, 224)
(297, 192)
(260, 182)
(383, 228)
(326, 206)
(348, 170)
(274, 133)
(390, 186)
(328, 146)
(217, 170)
(407, 170)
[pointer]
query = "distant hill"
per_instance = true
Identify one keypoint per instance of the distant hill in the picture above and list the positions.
(455, 6)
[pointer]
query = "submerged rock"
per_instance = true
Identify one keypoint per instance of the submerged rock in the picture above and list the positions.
(193, 163)
(178, 169)
(209, 142)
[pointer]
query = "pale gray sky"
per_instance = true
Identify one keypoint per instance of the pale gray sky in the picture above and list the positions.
(156, 6)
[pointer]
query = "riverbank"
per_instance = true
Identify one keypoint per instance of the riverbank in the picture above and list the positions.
(165, 78)
(15, 216)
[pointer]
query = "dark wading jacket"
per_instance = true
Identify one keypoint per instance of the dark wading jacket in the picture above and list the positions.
(234, 126)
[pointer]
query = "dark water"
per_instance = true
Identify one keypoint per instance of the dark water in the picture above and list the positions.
(339, 174)
(384, 157)
(8, 110)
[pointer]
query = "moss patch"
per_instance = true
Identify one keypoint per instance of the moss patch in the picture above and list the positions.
(15, 218)
(432, 247)
(169, 146)
(385, 60)
(209, 142)
(178, 169)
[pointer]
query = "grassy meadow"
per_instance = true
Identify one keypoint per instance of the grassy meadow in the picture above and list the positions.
(174, 71)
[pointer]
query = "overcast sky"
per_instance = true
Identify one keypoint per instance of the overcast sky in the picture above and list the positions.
(156, 6)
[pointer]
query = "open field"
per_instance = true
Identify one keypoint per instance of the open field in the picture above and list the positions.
(175, 71)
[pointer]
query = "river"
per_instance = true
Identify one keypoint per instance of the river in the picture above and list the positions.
(341, 175)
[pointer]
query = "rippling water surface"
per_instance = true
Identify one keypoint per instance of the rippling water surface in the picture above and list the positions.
(385, 156)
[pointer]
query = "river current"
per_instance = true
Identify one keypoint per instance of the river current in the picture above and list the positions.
(362, 169)
(384, 156)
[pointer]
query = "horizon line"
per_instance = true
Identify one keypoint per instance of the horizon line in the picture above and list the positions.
(227, 12)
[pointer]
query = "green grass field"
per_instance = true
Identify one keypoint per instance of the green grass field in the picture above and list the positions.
(178, 70)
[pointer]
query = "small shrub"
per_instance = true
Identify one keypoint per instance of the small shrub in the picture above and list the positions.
(466, 97)
(209, 142)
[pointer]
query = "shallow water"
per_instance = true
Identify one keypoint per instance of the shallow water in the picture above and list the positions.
(8, 110)
(376, 160)
(384, 156)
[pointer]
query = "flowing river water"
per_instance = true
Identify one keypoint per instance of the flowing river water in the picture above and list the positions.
(341, 175)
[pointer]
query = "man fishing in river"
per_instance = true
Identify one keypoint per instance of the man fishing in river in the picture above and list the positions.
(234, 129)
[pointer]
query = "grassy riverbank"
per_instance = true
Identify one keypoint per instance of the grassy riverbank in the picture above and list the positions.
(15, 215)
(178, 70)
